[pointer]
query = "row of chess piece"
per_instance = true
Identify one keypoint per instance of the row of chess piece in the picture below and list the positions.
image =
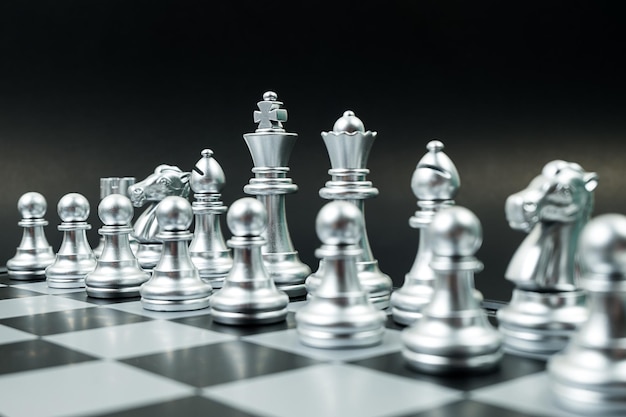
(578, 323)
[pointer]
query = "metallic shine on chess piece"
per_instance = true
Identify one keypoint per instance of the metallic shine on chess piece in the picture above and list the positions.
(117, 273)
(34, 254)
(207, 249)
(175, 284)
(348, 147)
(166, 181)
(435, 183)
(108, 186)
(270, 146)
(589, 376)
(454, 334)
(340, 314)
(75, 259)
(249, 295)
(547, 305)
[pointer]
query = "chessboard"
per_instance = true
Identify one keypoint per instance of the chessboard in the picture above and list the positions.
(63, 353)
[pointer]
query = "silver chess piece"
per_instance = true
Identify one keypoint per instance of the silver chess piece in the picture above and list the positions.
(547, 305)
(75, 259)
(117, 273)
(435, 183)
(167, 180)
(175, 284)
(108, 186)
(453, 334)
(207, 249)
(348, 147)
(34, 254)
(589, 376)
(340, 314)
(249, 295)
(270, 146)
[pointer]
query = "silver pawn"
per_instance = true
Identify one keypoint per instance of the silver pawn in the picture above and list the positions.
(207, 249)
(117, 273)
(249, 296)
(589, 376)
(175, 284)
(270, 146)
(114, 185)
(454, 333)
(435, 183)
(547, 305)
(348, 147)
(34, 254)
(341, 314)
(75, 259)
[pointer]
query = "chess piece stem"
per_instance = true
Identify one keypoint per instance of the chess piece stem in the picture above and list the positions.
(34, 254)
(208, 250)
(270, 146)
(175, 284)
(249, 295)
(75, 259)
(340, 314)
(348, 148)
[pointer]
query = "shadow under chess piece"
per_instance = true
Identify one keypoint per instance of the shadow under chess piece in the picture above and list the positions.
(340, 315)
(589, 376)
(207, 249)
(34, 254)
(348, 148)
(175, 284)
(166, 181)
(454, 334)
(114, 185)
(270, 146)
(75, 259)
(117, 273)
(547, 305)
(435, 183)
(249, 296)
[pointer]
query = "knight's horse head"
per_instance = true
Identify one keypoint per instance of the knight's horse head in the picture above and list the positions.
(165, 181)
(553, 209)
(563, 193)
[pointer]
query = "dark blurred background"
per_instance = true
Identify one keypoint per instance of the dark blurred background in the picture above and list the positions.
(115, 88)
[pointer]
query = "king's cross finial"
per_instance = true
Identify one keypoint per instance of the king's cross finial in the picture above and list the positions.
(270, 115)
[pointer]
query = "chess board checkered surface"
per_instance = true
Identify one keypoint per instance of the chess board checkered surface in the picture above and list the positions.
(65, 354)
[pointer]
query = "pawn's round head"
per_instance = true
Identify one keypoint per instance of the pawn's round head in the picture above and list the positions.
(247, 217)
(32, 205)
(455, 231)
(339, 223)
(348, 123)
(174, 214)
(602, 246)
(115, 210)
(73, 207)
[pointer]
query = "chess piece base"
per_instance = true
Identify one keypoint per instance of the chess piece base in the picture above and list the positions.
(148, 254)
(35, 275)
(374, 282)
(287, 272)
(589, 390)
(69, 271)
(241, 306)
(113, 281)
(248, 318)
(30, 264)
(537, 325)
(323, 323)
(408, 302)
(459, 343)
(175, 305)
